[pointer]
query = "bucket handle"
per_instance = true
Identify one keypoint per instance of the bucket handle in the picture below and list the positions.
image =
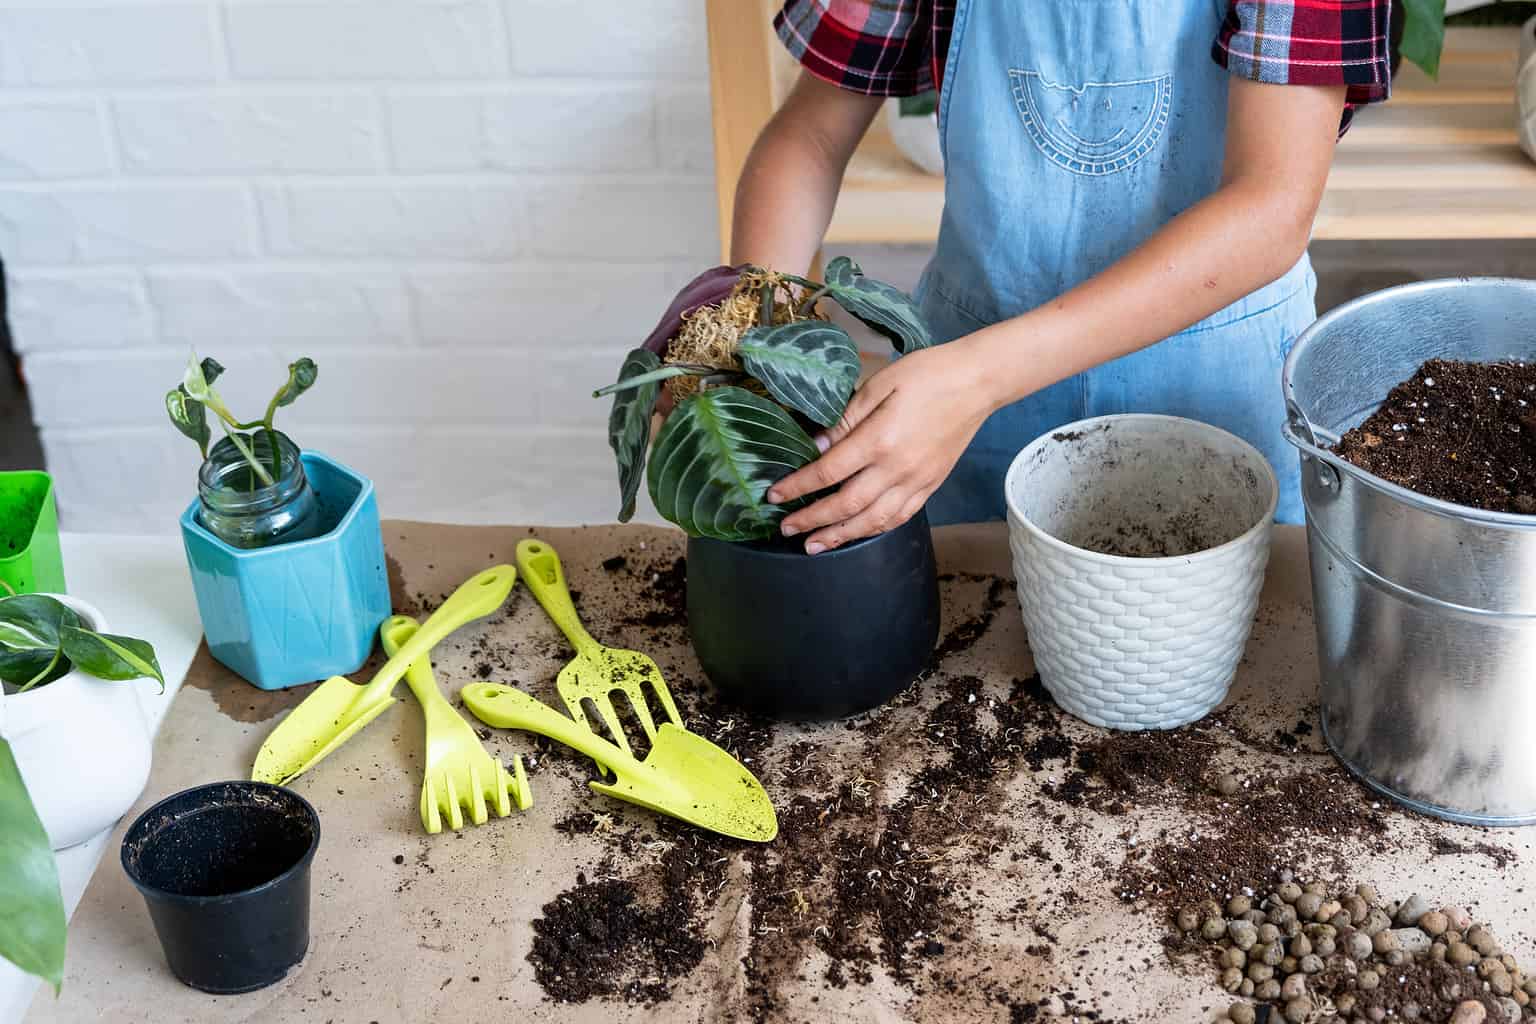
(1322, 463)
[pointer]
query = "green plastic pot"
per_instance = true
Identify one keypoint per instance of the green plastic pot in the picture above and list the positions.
(30, 560)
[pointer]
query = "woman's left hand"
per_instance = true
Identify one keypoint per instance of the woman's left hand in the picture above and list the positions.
(902, 433)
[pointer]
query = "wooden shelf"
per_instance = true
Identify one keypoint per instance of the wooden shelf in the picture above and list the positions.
(1439, 161)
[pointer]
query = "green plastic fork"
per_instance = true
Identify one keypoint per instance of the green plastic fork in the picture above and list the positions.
(460, 775)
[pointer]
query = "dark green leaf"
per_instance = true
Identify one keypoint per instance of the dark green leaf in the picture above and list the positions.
(887, 310)
(1424, 34)
(111, 657)
(811, 366)
(32, 925)
(212, 369)
(921, 105)
(189, 416)
(629, 426)
(301, 377)
(716, 457)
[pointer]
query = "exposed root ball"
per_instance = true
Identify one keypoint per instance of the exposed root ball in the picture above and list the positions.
(711, 334)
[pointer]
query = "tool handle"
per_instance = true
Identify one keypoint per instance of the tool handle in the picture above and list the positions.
(395, 634)
(476, 598)
(544, 576)
(507, 707)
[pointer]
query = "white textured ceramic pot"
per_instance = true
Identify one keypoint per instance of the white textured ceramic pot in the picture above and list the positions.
(916, 136)
(1139, 547)
(82, 747)
(1525, 88)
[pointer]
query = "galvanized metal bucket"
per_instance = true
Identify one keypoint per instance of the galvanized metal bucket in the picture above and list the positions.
(1425, 610)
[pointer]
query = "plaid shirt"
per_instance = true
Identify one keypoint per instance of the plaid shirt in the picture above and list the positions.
(898, 47)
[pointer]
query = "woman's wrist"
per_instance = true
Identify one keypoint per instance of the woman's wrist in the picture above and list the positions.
(1012, 359)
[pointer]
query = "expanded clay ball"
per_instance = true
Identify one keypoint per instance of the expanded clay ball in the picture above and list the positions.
(1234, 957)
(1188, 919)
(1267, 991)
(1213, 929)
(1324, 946)
(1268, 933)
(1237, 906)
(1435, 923)
(1243, 934)
(1307, 905)
(1242, 1013)
(1298, 1010)
(1290, 892)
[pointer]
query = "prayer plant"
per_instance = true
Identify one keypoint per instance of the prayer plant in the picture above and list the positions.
(189, 402)
(752, 368)
(41, 639)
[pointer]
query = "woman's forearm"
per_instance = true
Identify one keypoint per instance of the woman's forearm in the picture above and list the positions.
(789, 186)
(1214, 254)
(1248, 233)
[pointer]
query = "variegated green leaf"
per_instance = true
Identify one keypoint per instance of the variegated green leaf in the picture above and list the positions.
(301, 377)
(629, 426)
(885, 309)
(189, 416)
(111, 657)
(716, 457)
(810, 366)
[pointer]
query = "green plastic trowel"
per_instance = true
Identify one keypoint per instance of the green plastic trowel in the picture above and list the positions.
(683, 775)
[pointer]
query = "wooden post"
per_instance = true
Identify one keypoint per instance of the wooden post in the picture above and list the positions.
(741, 92)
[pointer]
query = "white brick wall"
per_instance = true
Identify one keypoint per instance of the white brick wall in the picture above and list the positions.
(464, 210)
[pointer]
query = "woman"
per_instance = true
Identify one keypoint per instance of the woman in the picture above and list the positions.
(1125, 223)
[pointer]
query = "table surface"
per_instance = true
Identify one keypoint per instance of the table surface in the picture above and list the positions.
(411, 927)
(141, 586)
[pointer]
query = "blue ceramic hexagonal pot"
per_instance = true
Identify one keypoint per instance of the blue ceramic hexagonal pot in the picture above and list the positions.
(293, 613)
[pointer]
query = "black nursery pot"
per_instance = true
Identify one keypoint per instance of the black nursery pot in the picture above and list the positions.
(802, 637)
(224, 870)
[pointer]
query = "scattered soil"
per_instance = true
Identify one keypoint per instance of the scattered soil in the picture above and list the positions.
(1461, 432)
(599, 939)
(885, 820)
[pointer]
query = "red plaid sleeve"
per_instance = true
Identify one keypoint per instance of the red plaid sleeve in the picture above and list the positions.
(1310, 42)
(876, 47)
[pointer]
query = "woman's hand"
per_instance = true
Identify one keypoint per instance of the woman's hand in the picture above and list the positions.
(901, 434)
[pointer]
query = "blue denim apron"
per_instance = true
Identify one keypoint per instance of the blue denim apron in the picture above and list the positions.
(1072, 131)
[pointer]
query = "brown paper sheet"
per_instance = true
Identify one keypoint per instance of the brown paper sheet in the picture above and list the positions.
(411, 927)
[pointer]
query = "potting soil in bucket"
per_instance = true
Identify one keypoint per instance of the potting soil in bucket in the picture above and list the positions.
(224, 870)
(1139, 547)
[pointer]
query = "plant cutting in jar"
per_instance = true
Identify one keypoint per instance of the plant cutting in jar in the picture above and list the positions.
(751, 366)
(41, 640)
(189, 402)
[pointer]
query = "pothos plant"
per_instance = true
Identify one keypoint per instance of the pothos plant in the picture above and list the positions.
(752, 367)
(41, 639)
(189, 403)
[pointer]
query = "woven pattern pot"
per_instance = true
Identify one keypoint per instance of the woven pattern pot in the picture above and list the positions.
(1139, 547)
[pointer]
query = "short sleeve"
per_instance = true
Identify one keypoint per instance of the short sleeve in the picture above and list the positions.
(875, 47)
(1302, 42)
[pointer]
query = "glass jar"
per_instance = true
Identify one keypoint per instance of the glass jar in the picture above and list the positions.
(245, 513)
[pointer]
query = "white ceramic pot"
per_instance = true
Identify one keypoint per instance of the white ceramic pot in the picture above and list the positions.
(1139, 548)
(916, 137)
(1525, 88)
(82, 746)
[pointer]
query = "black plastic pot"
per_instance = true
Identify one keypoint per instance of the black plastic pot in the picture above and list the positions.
(224, 870)
(802, 637)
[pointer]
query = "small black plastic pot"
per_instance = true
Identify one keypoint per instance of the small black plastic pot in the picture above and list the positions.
(224, 870)
(804, 638)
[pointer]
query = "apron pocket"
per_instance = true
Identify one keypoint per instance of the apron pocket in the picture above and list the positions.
(1100, 128)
